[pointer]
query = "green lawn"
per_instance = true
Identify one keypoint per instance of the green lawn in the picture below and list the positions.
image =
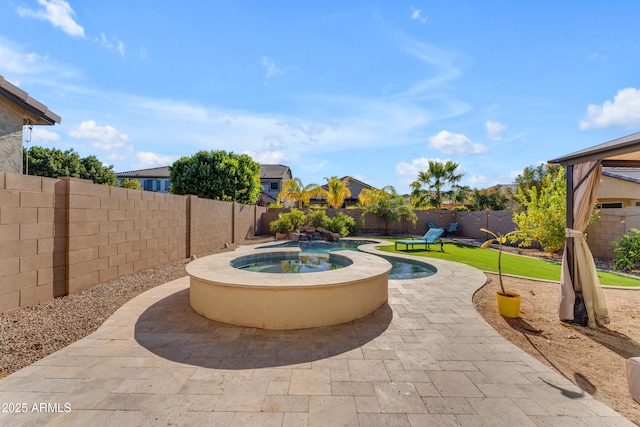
(487, 260)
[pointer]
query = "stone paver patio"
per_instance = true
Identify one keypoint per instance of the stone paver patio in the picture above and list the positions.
(424, 358)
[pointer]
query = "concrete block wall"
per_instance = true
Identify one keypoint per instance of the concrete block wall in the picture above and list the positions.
(114, 232)
(612, 225)
(60, 236)
(246, 221)
(32, 240)
(469, 223)
(211, 225)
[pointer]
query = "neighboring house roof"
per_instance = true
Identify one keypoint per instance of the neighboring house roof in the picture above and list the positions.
(39, 114)
(266, 172)
(274, 172)
(364, 185)
(159, 172)
(625, 174)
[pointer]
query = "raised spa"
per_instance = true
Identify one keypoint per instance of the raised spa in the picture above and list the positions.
(290, 262)
(222, 292)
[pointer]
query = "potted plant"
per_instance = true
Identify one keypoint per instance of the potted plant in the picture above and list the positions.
(281, 226)
(508, 302)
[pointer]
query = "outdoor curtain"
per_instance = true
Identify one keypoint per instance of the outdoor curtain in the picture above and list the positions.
(587, 178)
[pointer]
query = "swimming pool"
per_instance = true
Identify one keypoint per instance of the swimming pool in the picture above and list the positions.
(402, 268)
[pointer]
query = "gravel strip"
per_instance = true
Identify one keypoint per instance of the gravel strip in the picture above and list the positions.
(30, 334)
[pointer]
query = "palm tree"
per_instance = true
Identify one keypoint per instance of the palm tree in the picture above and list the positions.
(460, 194)
(389, 206)
(336, 191)
(369, 195)
(437, 176)
(295, 193)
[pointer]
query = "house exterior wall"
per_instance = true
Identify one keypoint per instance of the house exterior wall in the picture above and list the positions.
(10, 138)
(60, 236)
(613, 190)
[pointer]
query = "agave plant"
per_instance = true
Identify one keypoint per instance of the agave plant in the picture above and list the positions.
(500, 239)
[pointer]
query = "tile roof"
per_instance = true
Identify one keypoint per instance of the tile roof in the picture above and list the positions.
(625, 174)
(159, 172)
(274, 171)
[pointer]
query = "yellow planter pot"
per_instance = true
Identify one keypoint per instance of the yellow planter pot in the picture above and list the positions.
(509, 304)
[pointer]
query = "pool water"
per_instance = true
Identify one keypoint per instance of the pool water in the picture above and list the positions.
(401, 269)
(290, 263)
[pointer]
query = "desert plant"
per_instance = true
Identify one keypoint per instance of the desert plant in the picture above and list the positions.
(317, 218)
(280, 225)
(627, 251)
(500, 239)
(342, 224)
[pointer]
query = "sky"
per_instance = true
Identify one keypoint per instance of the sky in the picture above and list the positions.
(368, 89)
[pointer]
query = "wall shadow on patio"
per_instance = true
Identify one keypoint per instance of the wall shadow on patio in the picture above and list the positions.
(173, 331)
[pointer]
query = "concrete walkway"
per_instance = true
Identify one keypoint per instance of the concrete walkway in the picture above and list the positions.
(425, 358)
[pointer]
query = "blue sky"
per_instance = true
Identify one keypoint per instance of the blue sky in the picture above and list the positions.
(368, 89)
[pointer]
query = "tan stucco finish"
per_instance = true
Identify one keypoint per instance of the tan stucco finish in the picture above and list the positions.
(287, 301)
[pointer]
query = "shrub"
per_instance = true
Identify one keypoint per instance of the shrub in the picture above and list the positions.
(342, 224)
(318, 218)
(627, 251)
(280, 225)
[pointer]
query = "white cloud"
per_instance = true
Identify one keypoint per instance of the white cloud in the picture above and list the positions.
(455, 143)
(268, 157)
(270, 66)
(412, 169)
(143, 52)
(418, 16)
(147, 159)
(495, 130)
(112, 43)
(101, 137)
(624, 111)
(39, 134)
(57, 12)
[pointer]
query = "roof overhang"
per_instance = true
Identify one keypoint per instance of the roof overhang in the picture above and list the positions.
(621, 152)
(35, 112)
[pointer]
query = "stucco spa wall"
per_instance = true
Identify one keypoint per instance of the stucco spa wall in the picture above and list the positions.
(60, 236)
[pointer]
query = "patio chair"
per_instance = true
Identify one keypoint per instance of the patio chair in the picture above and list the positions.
(432, 237)
(453, 229)
(431, 225)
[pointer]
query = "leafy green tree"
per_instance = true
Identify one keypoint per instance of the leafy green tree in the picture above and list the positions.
(389, 206)
(217, 175)
(533, 176)
(336, 191)
(493, 199)
(53, 163)
(437, 176)
(295, 193)
(544, 219)
(93, 169)
(132, 184)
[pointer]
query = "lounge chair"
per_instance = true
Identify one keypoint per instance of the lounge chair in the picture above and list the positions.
(431, 225)
(432, 237)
